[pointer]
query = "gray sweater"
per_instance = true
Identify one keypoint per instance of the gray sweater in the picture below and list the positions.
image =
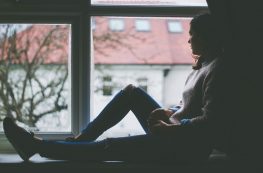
(197, 101)
(206, 105)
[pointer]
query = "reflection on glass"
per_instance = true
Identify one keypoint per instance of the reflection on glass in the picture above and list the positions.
(34, 78)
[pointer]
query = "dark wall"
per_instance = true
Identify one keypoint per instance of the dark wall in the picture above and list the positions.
(242, 77)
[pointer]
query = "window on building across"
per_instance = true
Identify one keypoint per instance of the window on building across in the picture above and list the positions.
(107, 86)
(116, 24)
(142, 25)
(143, 83)
(93, 23)
(175, 27)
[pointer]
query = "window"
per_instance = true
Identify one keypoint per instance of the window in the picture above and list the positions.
(116, 24)
(93, 24)
(34, 78)
(129, 55)
(86, 55)
(139, 58)
(175, 26)
(142, 25)
(142, 83)
(107, 86)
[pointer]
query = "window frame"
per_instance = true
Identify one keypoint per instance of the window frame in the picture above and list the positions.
(77, 122)
(79, 13)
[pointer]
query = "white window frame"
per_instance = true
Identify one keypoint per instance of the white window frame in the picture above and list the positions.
(75, 13)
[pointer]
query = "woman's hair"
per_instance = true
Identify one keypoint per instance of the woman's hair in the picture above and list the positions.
(205, 27)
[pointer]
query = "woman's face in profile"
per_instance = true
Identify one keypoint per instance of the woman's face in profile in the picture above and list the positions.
(196, 42)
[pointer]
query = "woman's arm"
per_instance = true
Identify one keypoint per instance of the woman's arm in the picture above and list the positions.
(210, 117)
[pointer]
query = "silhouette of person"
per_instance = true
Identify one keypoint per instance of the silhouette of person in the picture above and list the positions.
(184, 133)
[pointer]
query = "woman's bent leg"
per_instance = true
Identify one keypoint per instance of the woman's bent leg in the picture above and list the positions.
(131, 98)
(142, 104)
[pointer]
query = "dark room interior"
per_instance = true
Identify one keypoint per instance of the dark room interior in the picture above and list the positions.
(241, 87)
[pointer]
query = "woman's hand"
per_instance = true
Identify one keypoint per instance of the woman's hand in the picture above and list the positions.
(162, 128)
(161, 120)
(158, 127)
(160, 114)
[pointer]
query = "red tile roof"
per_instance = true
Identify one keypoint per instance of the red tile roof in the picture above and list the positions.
(30, 44)
(158, 46)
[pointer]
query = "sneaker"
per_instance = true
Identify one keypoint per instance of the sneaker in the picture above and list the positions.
(22, 140)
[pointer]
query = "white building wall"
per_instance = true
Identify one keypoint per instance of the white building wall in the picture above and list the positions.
(174, 84)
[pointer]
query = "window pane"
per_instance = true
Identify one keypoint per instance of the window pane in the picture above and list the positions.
(158, 61)
(175, 26)
(142, 83)
(142, 25)
(34, 78)
(151, 2)
(116, 24)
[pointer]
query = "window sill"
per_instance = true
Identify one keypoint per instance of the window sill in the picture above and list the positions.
(13, 163)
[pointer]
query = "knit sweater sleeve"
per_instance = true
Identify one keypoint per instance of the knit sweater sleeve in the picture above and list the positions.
(210, 105)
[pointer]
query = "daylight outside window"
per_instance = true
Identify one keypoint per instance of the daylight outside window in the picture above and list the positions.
(158, 61)
(34, 76)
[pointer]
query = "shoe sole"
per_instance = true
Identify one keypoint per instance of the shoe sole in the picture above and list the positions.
(22, 154)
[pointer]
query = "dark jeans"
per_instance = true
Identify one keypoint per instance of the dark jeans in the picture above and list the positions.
(146, 147)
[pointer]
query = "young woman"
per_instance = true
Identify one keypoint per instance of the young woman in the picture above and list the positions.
(182, 133)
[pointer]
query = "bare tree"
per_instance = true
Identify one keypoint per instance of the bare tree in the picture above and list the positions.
(33, 71)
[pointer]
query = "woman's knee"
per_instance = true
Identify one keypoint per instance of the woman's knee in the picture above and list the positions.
(129, 88)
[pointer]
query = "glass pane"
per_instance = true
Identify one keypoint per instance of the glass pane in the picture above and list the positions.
(151, 2)
(158, 61)
(34, 78)
(175, 26)
(142, 25)
(116, 24)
